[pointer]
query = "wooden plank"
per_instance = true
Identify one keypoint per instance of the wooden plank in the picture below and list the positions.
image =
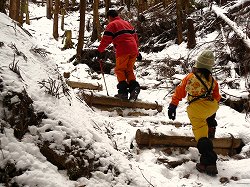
(154, 139)
(97, 100)
(82, 85)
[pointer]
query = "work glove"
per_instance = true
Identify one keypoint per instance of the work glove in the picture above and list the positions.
(172, 111)
(139, 57)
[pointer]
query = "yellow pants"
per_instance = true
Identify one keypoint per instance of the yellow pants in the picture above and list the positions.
(198, 112)
(124, 68)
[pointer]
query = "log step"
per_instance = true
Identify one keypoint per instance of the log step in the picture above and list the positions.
(100, 100)
(82, 85)
(224, 146)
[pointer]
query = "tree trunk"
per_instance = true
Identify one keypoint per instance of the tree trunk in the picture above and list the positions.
(27, 14)
(107, 6)
(14, 10)
(68, 41)
(74, 3)
(55, 21)
(81, 29)
(22, 10)
(66, 4)
(63, 12)
(179, 21)
(96, 34)
(140, 6)
(2, 6)
(191, 42)
(49, 9)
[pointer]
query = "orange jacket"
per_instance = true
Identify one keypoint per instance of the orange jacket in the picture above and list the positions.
(123, 36)
(191, 85)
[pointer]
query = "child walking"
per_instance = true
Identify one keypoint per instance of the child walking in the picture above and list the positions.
(203, 96)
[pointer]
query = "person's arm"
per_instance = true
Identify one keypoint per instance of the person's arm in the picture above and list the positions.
(106, 39)
(180, 91)
(216, 94)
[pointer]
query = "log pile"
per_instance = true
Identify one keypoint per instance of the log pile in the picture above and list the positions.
(225, 146)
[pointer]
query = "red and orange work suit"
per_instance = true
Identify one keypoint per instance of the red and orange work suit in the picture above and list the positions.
(125, 40)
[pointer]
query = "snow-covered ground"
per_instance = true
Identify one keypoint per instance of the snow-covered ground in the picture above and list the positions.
(141, 167)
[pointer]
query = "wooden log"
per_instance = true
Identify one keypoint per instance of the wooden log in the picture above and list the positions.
(219, 151)
(82, 85)
(96, 100)
(154, 139)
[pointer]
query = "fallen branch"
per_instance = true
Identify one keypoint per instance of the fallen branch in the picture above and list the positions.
(239, 32)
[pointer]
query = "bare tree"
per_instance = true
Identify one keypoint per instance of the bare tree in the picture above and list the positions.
(81, 29)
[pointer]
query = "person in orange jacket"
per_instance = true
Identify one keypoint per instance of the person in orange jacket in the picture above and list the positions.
(203, 99)
(125, 40)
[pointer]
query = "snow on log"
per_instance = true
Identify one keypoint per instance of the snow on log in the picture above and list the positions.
(82, 85)
(221, 145)
(100, 100)
(233, 25)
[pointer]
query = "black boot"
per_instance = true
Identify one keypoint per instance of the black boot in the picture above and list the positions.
(134, 90)
(122, 87)
(212, 123)
(208, 157)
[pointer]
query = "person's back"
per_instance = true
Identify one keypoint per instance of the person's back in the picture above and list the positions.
(125, 40)
(123, 36)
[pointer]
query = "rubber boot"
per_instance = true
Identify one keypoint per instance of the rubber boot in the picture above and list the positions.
(134, 89)
(208, 157)
(122, 87)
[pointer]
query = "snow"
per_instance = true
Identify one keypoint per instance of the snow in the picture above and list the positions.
(238, 30)
(77, 119)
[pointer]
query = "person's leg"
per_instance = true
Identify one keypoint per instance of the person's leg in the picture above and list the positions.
(208, 157)
(212, 123)
(134, 86)
(121, 67)
(130, 67)
(120, 71)
(122, 87)
(198, 112)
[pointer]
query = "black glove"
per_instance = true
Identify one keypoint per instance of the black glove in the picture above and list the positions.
(139, 57)
(172, 111)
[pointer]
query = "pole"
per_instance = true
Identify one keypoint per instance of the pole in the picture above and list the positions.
(101, 62)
